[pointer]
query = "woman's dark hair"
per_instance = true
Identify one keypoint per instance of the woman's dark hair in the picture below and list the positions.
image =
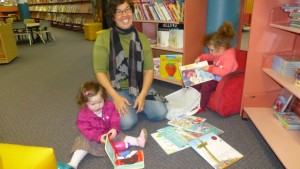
(111, 9)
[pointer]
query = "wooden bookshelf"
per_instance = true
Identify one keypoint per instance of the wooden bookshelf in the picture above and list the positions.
(271, 35)
(194, 31)
(8, 47)
(67, 14)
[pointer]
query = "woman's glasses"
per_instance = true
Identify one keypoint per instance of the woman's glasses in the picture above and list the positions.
(120, 12)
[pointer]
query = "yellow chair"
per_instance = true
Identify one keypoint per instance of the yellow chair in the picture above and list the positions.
(13, 16)
(9, 20)
(90, 30)
(29, 21)
(14, 156)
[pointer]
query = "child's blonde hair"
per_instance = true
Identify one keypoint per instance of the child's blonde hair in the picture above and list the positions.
(222, 37)
(90, 89)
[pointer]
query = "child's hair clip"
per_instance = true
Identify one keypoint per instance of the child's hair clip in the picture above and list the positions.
(87, 93)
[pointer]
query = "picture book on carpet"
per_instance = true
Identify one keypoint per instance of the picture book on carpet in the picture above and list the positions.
(193, 74)
(189, 123)
(215, 151)
(170, 142)
(128, 159)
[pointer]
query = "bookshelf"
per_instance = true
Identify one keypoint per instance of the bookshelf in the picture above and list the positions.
(8, 47)
(194, 20)
(270, 34)
(65, 13)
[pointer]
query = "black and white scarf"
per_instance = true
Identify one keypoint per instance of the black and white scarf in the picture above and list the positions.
(119, 67)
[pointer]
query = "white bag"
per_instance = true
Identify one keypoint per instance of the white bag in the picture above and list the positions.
(185, 101)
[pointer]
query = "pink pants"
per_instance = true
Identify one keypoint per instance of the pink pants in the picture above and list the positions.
(205, 89)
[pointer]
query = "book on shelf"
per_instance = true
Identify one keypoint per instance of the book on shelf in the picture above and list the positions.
(170, 145)
(282, 100)
(163, 38)
(156, 62)
(294, 106)
(176, 38)
(215, 151)
(164, 11)
(285, 65)
(163, 34)
(289, 120)
(169, 65)
(189, 123)
(122, 160)
(192, 74)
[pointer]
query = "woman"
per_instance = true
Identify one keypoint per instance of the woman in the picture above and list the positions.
(123, 64)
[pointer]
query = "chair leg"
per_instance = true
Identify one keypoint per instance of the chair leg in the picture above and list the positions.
(29, 38)
(41, 36)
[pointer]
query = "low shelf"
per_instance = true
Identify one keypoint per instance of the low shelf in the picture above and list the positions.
(286, 82)
(284, 143)
(177, 82)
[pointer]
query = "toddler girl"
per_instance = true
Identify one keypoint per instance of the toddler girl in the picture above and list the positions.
(223, 58)
(97, 119)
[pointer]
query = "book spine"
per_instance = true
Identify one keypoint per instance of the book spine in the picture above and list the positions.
(164, 11)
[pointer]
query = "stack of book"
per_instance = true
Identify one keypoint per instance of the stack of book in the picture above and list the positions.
(289, 120)
(294, 13)
(286, 65)
(287, 110)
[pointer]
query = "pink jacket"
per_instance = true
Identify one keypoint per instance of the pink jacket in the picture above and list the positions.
(93, 127)
(223, 64)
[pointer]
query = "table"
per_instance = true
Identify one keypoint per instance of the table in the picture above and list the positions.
(31, 27)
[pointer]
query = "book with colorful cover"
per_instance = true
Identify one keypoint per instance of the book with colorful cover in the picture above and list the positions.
(289, 120)
(169, 65)
(169, 145)
(294, 106)
(215, 151)
(192, 74)
(132, 159)
(189, 123)
(282, 100)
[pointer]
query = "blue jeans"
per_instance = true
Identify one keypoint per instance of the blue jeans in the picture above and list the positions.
(154, 110)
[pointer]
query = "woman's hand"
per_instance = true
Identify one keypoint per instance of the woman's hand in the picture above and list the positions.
(139, 103)
(121, 104)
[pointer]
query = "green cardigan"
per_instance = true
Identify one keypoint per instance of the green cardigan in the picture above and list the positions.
(101, 53)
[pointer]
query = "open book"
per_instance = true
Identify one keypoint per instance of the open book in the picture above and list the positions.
(133, 159)
(192, 74)
(189, 123)
(172, 142)
(215, 150)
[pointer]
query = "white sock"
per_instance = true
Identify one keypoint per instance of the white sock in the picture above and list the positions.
(77, 157)
(131, 140)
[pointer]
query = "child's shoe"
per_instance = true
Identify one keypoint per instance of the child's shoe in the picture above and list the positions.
(61, 165)
(142, 139)
(201, 110)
